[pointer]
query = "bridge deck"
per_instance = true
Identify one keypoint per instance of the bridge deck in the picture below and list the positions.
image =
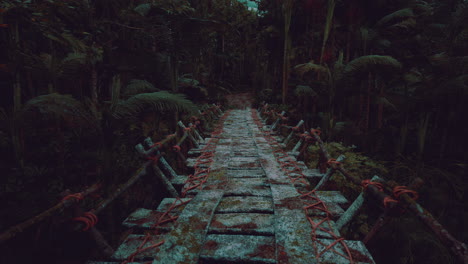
(248, 211)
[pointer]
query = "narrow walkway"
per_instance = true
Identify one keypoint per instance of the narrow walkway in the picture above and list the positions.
(248, 211)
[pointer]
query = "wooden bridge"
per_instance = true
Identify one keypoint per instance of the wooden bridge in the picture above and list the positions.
(248, 200)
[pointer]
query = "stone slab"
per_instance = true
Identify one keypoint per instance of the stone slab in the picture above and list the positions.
(245, 204)
(246, 189)
(332, 197)
(130, 245)
(183, 243)
(146, 219)
(293, 241)
(241, 223)
(357, 249)
(168, 202)
(251, 173)
(239, 249)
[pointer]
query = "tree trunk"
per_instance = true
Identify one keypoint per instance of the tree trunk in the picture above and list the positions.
(115, 89)
(94, 92)
(369, 89)
(287, 7)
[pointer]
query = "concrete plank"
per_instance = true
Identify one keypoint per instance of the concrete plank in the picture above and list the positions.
(130, 245)
(357, 249)
(245, 204)
(243, 223)
(183, 243)
(238, 249)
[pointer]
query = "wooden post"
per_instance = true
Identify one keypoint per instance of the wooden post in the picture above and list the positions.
(195, 131)
(273, 126)
(167, 184)
(329, 173)
(286, 140)
(188, 134)
(352, 209)
(298, 144)
(13, 231)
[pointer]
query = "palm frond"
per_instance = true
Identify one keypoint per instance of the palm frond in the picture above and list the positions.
(370, 63)
(395, 17)
(301, 69)
(162, 101)
(304, 90)
(136, 86)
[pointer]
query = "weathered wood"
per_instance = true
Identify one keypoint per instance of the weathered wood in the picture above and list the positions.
(286, 140)
(167, 184)
(352, 210)
(188, 134)
(165, 165)
(329, 173)
(195, 131)
(459, 248)
(13, 231)
(298, 144)
(273, 126)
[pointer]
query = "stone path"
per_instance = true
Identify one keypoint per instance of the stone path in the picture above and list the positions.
(247, 212)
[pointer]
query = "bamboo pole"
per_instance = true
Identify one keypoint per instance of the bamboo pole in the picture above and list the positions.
(13, 231)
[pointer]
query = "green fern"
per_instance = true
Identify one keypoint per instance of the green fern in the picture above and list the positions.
(56, 107)
(370, 63)
(162, 101)
(396, 17)
(301, 69)
(136, 86)
(143, 9)
(304, 90)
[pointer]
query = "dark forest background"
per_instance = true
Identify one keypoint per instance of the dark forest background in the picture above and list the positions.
(83, 81)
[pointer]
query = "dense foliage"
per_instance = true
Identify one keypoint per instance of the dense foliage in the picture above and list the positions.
(84, 81)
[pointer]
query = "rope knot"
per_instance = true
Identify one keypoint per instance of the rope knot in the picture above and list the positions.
(89, 219)
(366, 183)
(77, 196)
(176, 148)
(399, 190)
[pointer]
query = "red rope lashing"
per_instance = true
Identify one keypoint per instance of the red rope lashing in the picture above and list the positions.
(368, 182)
(295, 128)
(399, 190)
(89, 219)
(157, 144)
(333, 161)
(188, 129)
(387, 200)
(315, 131)
(155, 159)
(76, 196)
(176, 148)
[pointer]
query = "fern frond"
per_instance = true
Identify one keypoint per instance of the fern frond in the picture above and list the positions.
(304, 90)
(370, 63)
(162, 101)
(136, 86)
(56, 107)
(143, 9)
(395, 17)
(301, 69)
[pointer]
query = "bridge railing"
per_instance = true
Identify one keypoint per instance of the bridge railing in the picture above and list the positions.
(155, 158)
(392, 196)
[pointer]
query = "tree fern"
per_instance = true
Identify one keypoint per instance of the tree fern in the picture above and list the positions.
(370, 63)
(136, 86)
(56, 107)
(396, 16)
(301, 69)
(304, 90)
(162, 101)
(143, 9)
